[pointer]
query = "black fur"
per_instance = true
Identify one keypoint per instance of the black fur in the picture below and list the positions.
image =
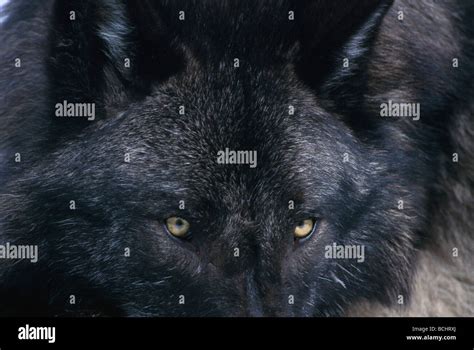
(173, 157)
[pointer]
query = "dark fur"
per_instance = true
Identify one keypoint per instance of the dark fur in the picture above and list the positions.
(300, 157)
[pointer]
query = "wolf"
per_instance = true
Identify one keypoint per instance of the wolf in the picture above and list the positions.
(131, 213)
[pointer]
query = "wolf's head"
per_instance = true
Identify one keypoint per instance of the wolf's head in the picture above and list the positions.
(237, 164)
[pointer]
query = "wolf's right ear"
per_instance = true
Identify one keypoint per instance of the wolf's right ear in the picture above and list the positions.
(102, 50)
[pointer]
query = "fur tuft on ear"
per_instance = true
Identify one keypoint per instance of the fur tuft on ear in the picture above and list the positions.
(116, 29)
(356, 48)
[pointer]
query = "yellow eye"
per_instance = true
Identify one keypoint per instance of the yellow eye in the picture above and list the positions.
(304, 228)
(178, 227)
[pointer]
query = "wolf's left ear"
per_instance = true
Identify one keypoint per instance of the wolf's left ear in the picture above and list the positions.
(102, 50)
(336, 40)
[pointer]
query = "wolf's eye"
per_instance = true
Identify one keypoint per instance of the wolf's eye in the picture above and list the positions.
(304, 229)
(177, 227)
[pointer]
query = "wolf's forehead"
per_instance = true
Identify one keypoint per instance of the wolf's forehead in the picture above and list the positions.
(223, 94)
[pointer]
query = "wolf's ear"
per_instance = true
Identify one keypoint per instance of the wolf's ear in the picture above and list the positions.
(103, 50)
(336, 39)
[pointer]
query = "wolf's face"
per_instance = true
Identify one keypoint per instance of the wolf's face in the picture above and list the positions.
(241, 255)
(159, 226)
